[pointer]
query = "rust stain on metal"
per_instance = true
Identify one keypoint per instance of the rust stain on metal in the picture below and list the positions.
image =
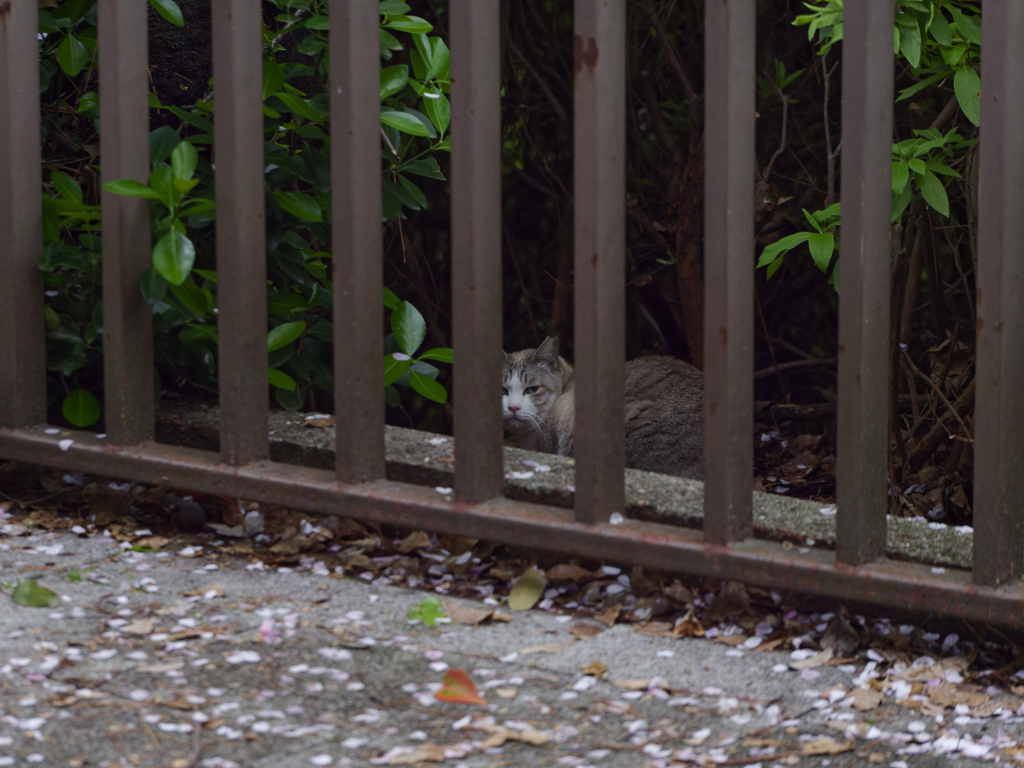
(590, 57)
(712, 407)
(5, 9)
(593, 261)
(581, 54)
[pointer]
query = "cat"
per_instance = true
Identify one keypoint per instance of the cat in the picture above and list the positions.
(664, 409)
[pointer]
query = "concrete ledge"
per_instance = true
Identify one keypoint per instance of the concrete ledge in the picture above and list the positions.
(425, 458)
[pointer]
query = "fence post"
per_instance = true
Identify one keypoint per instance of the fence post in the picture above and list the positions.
(22, 342)
(128, 386)
(866, 190)
(476, 246)
(241, 230)
(999, 419)
(729, 270)
(356, 239)
(599, 191)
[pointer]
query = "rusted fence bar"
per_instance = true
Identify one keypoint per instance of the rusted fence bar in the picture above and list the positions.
(476, 246)
(356, 240)
(728, 270)
(22, 343)
(599, 192)
(241, 230)
(127, 242)
(999, 419)
(763, 563)
(863, 441)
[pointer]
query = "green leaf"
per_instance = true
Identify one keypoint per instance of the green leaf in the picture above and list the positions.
(170, 11)
(409, 24)
(68, 187)
(933, 192)
(404, 122)
(443, 354)
(298, 106)
(162, 142)
(399, 192)
(916, 165)
(300, 205)
(72, 55)
(395, 367)
(81, 408)
(388, 43)
(425, 167)
(438, 110)
(910, 41)
(193, 298)
(194, 120)
(153, 286)
(392, 80)
(774, 267)
(936, 167)
(821, 245)
(812, 220)
(319, 23)
(391, 300)
(173, 257)
(428, 611)
(413, 191)
(284, 334)
(899, 204)
(939, 29)
(391, 396)
(184, 159)
(429, 388)
(195, 334)
(769, 254)
(281, 379)
(30, 594)
(967, 86)
(89, 101)
(409, 327)
(160, 181)
(900, 176)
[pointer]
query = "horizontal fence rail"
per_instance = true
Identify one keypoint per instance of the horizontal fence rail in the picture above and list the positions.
(856, 570)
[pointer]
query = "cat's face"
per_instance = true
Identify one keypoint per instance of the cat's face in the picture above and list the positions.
(531, 381)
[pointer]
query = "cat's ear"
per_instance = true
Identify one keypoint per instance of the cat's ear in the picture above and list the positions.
(547, 353)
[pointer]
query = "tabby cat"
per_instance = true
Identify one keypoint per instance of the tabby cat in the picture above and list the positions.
(664, 409)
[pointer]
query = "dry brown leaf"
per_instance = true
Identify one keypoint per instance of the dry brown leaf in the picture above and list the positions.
(461, 614)
(655, 629)
(321, 422)
(139, 627)
(160, 668)
(570, 572)
(826, 745)
(876, 757)
(414, 540)
(583, 630)
(499, 736)
(610, 615)
(678, 592)
(548, 647)
(594, 668)
(731, 601)
(736, 639)
(770, 645)
(424, 753)
(153, 542)
(818, 660)
(866, 699)
(633, 684)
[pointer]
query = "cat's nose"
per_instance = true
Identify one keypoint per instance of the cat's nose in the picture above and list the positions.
(514, 409)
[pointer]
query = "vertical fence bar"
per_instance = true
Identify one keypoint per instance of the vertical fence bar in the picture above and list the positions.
(599, 190)
(999, 420)
(476, 246)
(356, 240)
(241, 230)
(22, 341)
(728, 270)
(863, 441)
(128, 385)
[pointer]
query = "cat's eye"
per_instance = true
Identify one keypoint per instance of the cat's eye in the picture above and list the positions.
(531, 390)
(504, 391)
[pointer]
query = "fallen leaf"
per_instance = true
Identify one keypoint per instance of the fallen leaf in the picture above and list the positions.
(527, 590)
(633, 684)
(594, 668)
(583, 630)
(866, 699)
(153, 542)
(459, 687)
(422, 753)
(321, 422)
(461, 614)
(548, 647)
(160, 668)
(414, 540)
(139, 627)
(770, 645)
(654, 629)
(499, 735)
(876, 757)
(32, 595)
(732, 600)
(826, 746)
(570, 572)
(736, 639)
(818, 660)
(610, 615)
(679, 593)
(216, 587)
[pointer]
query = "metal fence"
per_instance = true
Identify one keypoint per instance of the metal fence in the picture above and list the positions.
(857, 569)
